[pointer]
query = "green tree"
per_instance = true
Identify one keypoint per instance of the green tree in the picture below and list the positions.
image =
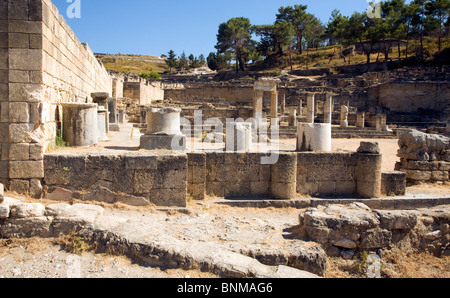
(437, 12)
(356, 29)
(217, 61)
(183, 61)
(298, 17)
(171, 60)
(274, 38)
(235, 36)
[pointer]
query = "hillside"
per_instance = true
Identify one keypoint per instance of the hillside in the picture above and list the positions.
(134, 64)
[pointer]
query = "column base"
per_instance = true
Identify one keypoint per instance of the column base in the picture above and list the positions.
(163, 142)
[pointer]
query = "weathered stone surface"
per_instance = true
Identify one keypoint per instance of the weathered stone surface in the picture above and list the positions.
(60, 194)
(397, 220)
(4, 211)
(26, 227)
(27, 210)
(2, 190)
(369, 147)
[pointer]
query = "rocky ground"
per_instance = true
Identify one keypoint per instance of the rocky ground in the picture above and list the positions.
(237, 229)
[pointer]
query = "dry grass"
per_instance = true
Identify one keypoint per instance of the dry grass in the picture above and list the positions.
(395, 264)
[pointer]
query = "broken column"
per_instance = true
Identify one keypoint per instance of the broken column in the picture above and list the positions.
(368, 170)
(102, 124)
(283, 183)
(283, 104)
(310, 108)
(274, 106)
(344, 116)
(328, 110)
(293, 119)
(314, 137)
(163, 130)
(239, 136)
(381, 123)
(101, 99)
(113, 114)
(258, 104)
(360, 120)
(79, 124)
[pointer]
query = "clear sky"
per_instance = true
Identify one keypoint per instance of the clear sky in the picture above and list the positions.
(149, 27)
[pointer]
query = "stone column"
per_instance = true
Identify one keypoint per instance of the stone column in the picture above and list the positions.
(163, 130)
(283, 182)
(293, 119)
(328, 110)
(344, 116)
(368, 170)
(258, 103)
(361, 120)
(314, 137)
(80, 124)
(113, 114)
(102, 124)
(310, 108)
(447, 129)
(101, 98)
(283, 104)
(239, 137)
(381, 123)
(121, 114)
(274, 105)
(300, 107)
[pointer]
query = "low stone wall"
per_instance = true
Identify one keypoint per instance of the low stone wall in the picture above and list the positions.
(159, 178)
(243, 175)
(165, 178)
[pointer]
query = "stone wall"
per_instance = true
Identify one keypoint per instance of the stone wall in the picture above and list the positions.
(42, 64)
(302, 173)
(159, 178)
(424, 157)
(143, 91)
(411, 97)
(166, 178)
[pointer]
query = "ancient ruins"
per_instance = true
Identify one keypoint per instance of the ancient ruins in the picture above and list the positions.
(259, 139)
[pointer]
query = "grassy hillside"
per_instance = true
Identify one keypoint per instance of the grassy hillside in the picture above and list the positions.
(134, 64)
(330, 56)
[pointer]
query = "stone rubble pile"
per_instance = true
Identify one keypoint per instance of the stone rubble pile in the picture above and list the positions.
(424, 157)
(345, 230)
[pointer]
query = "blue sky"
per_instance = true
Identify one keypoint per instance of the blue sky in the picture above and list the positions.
(149, 27)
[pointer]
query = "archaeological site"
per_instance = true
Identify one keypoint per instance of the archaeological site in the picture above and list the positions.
(234, 173)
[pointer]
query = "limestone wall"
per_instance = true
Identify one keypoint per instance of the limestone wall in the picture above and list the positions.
(160, 178)
(42, 64)
(411, 97)
(143, 91)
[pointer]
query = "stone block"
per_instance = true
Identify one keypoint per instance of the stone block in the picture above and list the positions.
(19, 40)
(27, 210)
(20, 186)
(169, 197)
(417, 175)
(2, 190)
(393, 183)
(4, 59)
(19, 151)
(140, 162)
(163, 142)
(4, 211)
(60, 194)
(36, 151)
(4, 169)
(439, 176)
(26, 227)
(26, 169)
(19, 76)
(197, 190)
(22, 26)
(19, 132)
(25, 59)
